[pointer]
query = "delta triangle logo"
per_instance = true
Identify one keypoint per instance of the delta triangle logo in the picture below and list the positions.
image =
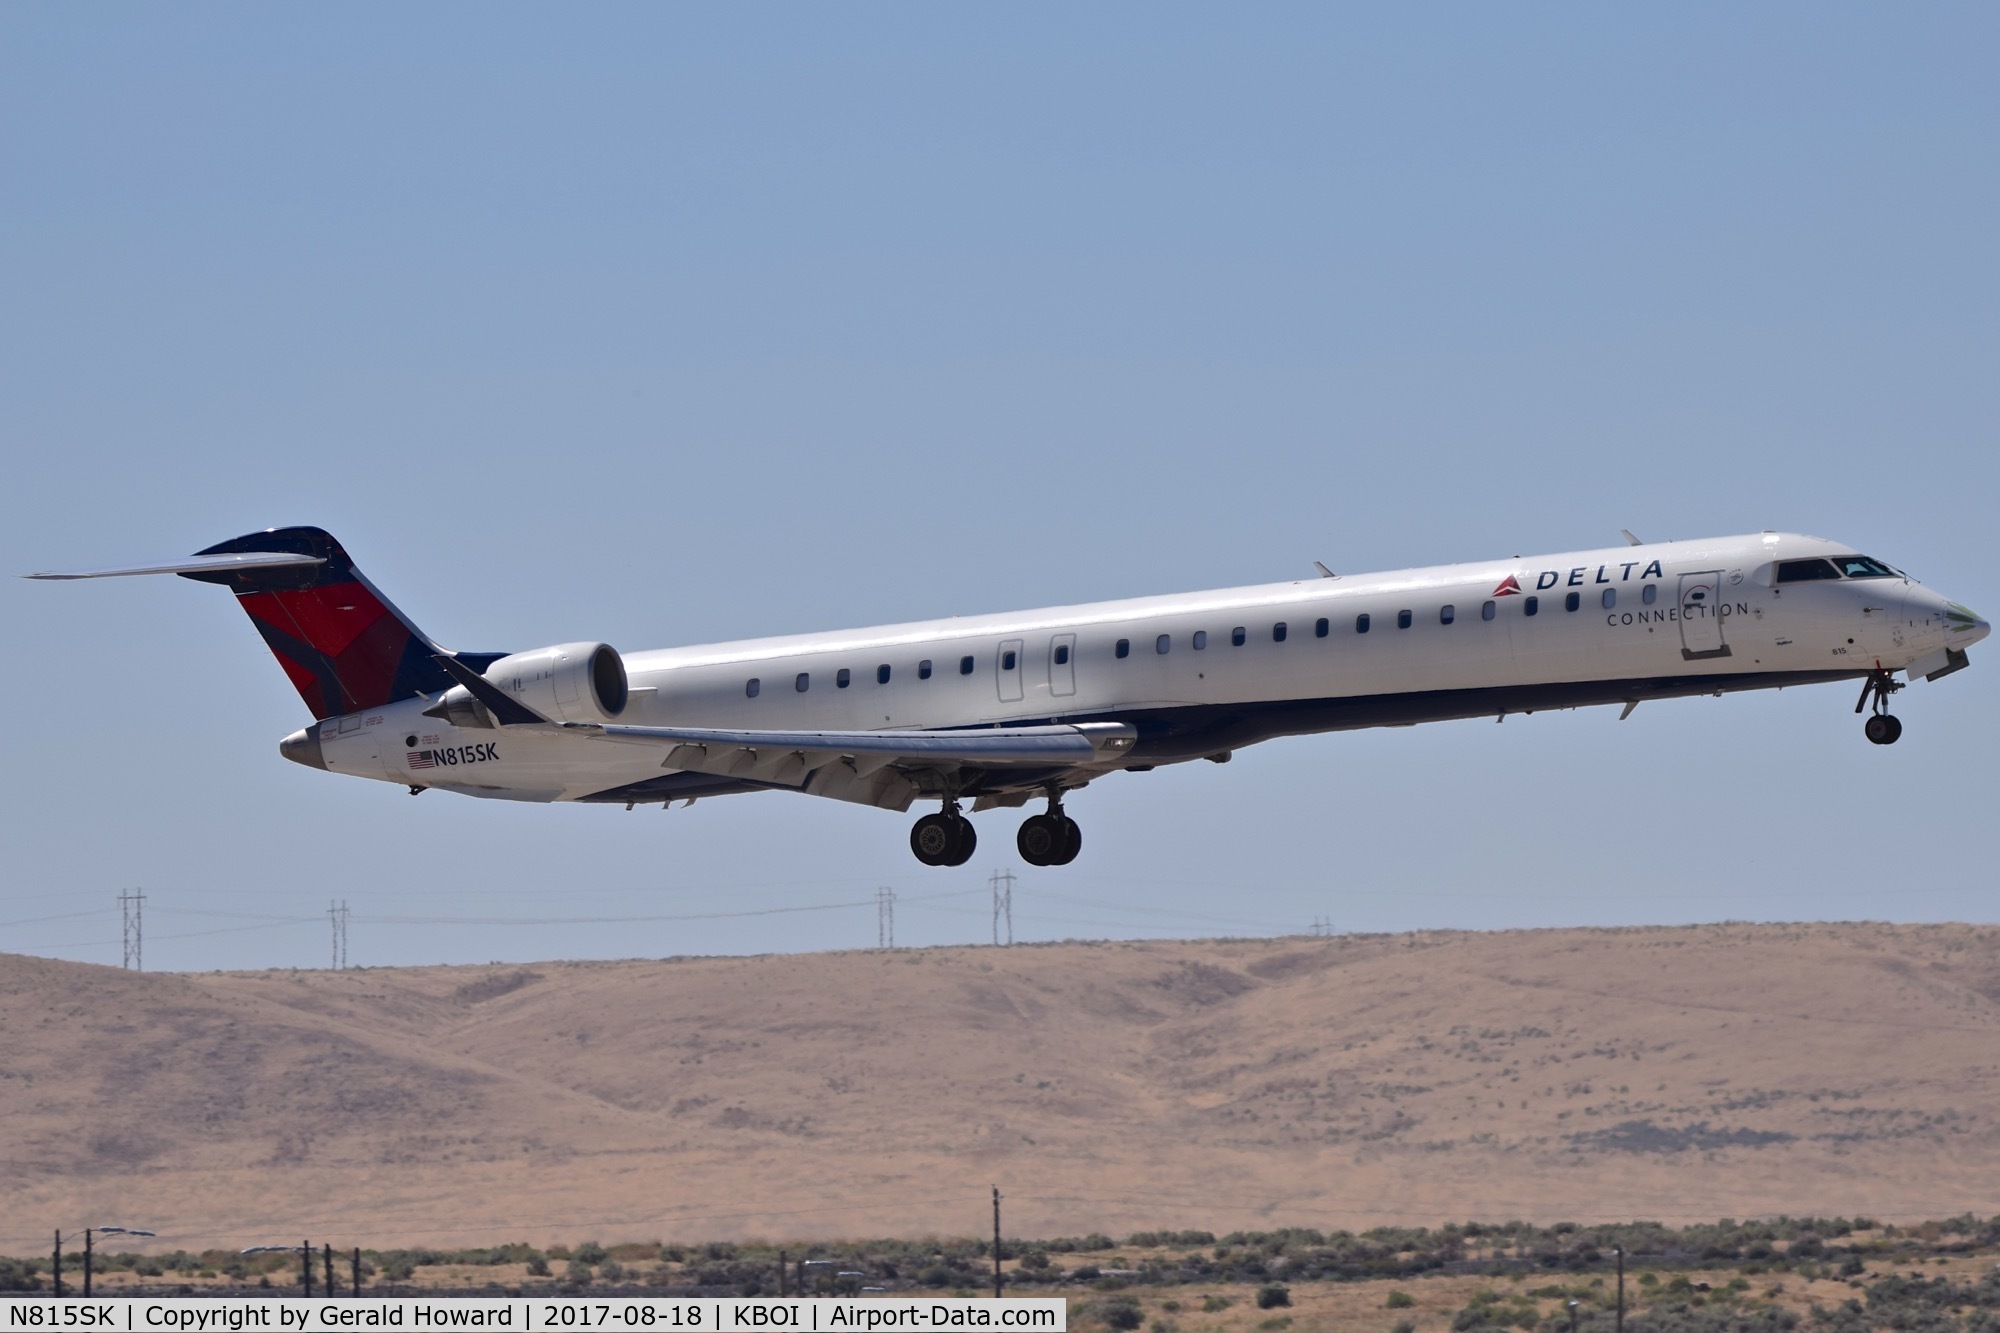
(1509, 587)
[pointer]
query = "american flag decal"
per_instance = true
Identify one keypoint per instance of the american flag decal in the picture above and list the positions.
(422, 759)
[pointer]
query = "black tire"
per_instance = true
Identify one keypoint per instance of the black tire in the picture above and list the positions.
(965, 840)
(1883, 729)
(1040, 840)
(934, 838)
(1072, 843)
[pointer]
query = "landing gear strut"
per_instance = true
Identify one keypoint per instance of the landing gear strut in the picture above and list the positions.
(945, 838)
(1052, 839)
(1881, 728)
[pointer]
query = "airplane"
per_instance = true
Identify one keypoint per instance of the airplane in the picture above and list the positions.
(1001, 710)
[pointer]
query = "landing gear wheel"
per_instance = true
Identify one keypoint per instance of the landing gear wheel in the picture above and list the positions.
(1041, 839)
(1883, 729)
(934, 839)
(966, 841)
(1072, 843)
(944, 839)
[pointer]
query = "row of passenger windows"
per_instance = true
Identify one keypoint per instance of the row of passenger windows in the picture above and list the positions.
(1164, 644)
(843, 677)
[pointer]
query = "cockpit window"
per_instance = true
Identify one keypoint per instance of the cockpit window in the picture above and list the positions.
(1805, 571)
(1861, 567)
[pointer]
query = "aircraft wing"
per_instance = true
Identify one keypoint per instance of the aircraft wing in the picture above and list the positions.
(889, 769)
(882, 768)
(1082, 743)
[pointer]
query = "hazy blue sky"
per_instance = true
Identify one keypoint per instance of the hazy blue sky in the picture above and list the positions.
(662, 324)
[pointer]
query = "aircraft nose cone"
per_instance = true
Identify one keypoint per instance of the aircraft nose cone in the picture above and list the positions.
(1964, 626)
(302, 747)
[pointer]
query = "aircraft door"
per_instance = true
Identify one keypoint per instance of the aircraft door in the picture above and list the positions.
(1701, 616)
(1009, 665)
(1062, 665)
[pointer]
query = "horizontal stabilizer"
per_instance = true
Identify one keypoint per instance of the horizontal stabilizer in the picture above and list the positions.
(196, 564)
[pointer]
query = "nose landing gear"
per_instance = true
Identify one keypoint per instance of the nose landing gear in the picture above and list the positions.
(945, 838)
(1881, 728)
(1052, 839)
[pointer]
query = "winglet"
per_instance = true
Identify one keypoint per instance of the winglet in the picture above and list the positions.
(506, 709)
(1324, 572)
(1630, 540)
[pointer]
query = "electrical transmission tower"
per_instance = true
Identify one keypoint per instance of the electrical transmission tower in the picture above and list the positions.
(1322, 925)
(131, 902)
(336, 916)
(1002, 882)
(885, 918)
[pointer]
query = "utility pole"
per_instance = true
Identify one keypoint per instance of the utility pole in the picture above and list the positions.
(130, 903)
(1619, 1250)
(781, 1274)
(1002, 882)
(336, 915)
(88, 1237)
(58, 1265)
(329, 1268)
(996, 1242)
(357, 1270)
(306, 1266)
(885, 918)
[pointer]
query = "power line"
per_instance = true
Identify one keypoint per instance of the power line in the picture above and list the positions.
(131, 903)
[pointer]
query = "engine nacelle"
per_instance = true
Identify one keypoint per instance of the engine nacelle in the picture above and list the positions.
(571, 682)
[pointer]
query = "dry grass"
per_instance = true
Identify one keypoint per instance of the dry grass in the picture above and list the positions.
(1679, 1074)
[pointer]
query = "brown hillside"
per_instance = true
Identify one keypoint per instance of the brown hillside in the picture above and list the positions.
(1679, 1074)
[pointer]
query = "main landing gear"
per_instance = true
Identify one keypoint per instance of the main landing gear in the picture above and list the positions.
(1881, 727)
(1052, 839)
(945, 838)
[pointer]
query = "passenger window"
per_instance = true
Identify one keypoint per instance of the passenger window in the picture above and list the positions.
(1651, 594)
(965, 666)
(1006, 661)
(1532, 605)
(1322, 627)
(1573, 601)
(1447, 614)
(1404, 619)
(1610, 598)
(1062, 654)
(924, 669)
(803, 682)
(1124, 648)
(1200, 639)
(1361, 623)
(1163, 643)
(1238, 637)
(1278, 632)
(1806, 571)
(882, 674)
(753, 687)
(842, 678)
(1489, 610)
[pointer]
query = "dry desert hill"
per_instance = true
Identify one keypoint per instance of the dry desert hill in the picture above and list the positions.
(1678, 1074)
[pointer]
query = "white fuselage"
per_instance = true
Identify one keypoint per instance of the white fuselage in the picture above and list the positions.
(1201, 672)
